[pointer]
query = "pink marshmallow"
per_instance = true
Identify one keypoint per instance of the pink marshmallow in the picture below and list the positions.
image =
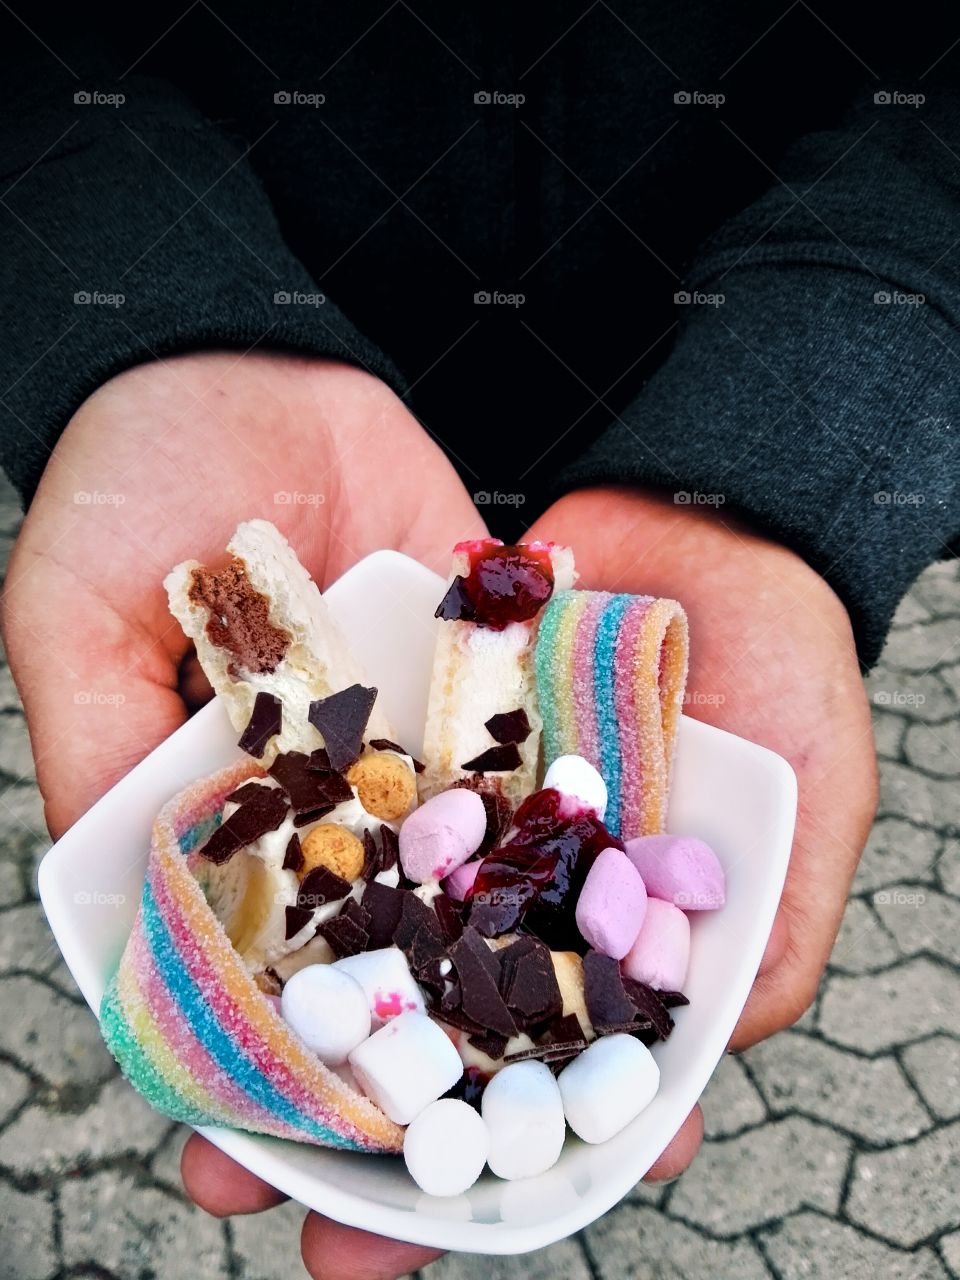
(612, 904)
(442, 834)
(460, 882)
(661, 953)
(679, 869)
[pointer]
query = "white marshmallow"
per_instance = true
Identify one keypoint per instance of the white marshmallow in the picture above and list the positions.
(406, 1065)
(577, 778)
(390, 877)
(328, 1011)
(386, 979)
(607, 1086)
(524, 1114)
(445, 1147)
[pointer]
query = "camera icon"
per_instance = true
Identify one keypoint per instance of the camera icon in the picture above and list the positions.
(681, 298)
(482, 299)
(482, 98)
(82, 98)
(82, 299)
(282, 298)
(282, 97)
(682, 498)
(882, 297)
(682, 98)
(482, 498)
(882, 98)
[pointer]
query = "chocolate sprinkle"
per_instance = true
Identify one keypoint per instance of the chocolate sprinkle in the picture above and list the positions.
(384, 904)
(607, 1002)
(456, 605)
(293, 858)
(649, 1005)
(320, 886)
(297, 918)
(312, 815)
(371, 857)
(389, 848)
(342, 719)
(264, 810)
(265, 721)
(384, 744)
(494, 760)
(477, 970)
(509, 726)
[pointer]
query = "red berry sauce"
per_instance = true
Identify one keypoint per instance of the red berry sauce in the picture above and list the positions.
(504, 584)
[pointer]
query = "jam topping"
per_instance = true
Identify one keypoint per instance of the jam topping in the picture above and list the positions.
(503, 585)
(534, 880)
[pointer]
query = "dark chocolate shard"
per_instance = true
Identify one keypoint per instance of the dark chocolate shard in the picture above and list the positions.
(649, 1006)
(456, 605)
(293, 858)
(389, 848)
(384, 744)
(308, 787)
(528, 982)
(431, 976)
(425, 949)
(266, 720)
(672, 999)
(414, 915)
(345, 936)
(320, 886)
(564, 1030)
(246, 792)
(490, 1043)
(355, 911)
(297, 918)
(342, 719)
(497, 807)
(371, 856)
(509, 726)
(477, 972)
(385, 904)
(449, 914)
(264, 810)
(312, 815)
(548, 1053)
(607, 1002)
(494, 760)
(319, 760)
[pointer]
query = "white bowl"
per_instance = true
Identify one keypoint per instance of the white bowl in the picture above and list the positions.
(737, 796)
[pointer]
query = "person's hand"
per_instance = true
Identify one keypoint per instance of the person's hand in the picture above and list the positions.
(773, 660)
(161, 464)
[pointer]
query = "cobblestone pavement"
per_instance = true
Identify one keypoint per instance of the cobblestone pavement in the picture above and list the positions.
(832, 1150)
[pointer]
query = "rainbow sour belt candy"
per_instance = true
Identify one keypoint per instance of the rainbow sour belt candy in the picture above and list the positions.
(611, 671)
(188, 1024)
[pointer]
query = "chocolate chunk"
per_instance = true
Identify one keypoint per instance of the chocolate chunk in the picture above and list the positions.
(384, 744)
(477, 972)
(501, 909)
(344, 935)
(490, 1043)
(548, 1053)
(649, 1006)
(429, 975)
(239, 618)
(342, 719)
(293, 858)
(564, 1029)
(371, 856)
(312, 815)
(494, 760)
(497, 807)
(244, 793)
(389, 848)
(265, 721)
(309, 788)
(297, 918)
(264, 810)
(509, 726)
(384, 903)
(456, 605)
(414, 915)
(672, 999)
(528, 982)
(607, 1002)
(425, 949)
(320, 886)
(448, 913)
(319, 760)
(355, 911)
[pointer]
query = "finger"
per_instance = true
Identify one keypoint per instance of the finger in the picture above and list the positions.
(332, 1251)
(220, 1185)
(681, 1150)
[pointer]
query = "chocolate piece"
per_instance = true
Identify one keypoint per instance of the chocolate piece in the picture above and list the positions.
(528, 982)
(384, 744)
(497, 807)
(384, 903)
(548, 1053)
(371, 856)
(564, 1029)
(293, 858)
(239, 618)
(649, 1005)
(425, 949)
(672, 999)
(490, 1043)
(607, 1002)
(509, 726)
(456, 605)
(297, 918)
(448, 913)
(342, 719)
(308, 787)
(244, 793)
(414, 915)
(355, 911)
(477, 971)
(265, 721)
(319, 760)
(494, 760)
(429, 975)
(344, 935)
(320, 886)
(312, 815)
(389, 848)
(264, 810)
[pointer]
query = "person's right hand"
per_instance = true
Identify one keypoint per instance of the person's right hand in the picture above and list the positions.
(159, 465)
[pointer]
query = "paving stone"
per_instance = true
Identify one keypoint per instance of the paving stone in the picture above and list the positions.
(867, 1097)
(907, 1193)
(915, 698)
(862, 944)
(563, 1261)
(875, 1011)
(53, 1036)
(909, 611)
(922, 646)
(9, 698)
(739, 1183)
(938, 589)
(165, 1164)
(267, 1245)
(934, 747)
(810, 1246)
(934, 1067)
(27, 1252)
(731, 1102)
(641, 1244)
(16, 759)
(951, 678)
(11, 881)
(888, 733)
(950, 1248)
(934, 801)
(921, 919)
(43, 1140)
(137, 1231)
(14, 1087)
(26, 941)
(896, 850)
(948, 866)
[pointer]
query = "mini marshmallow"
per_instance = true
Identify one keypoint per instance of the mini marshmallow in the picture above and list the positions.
(406, 1065)
(524, 1115)
(661, 953)
(328, 1010)
(607, 1086)
(612, 904)
(679, 869)
(387, 982)
(445, 1147)
(442, 834)
(459, 883)
(577, 778)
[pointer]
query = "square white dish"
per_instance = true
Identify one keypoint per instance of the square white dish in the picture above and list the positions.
(739, 797)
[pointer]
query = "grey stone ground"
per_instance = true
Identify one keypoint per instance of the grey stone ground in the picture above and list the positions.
(833, 1150)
